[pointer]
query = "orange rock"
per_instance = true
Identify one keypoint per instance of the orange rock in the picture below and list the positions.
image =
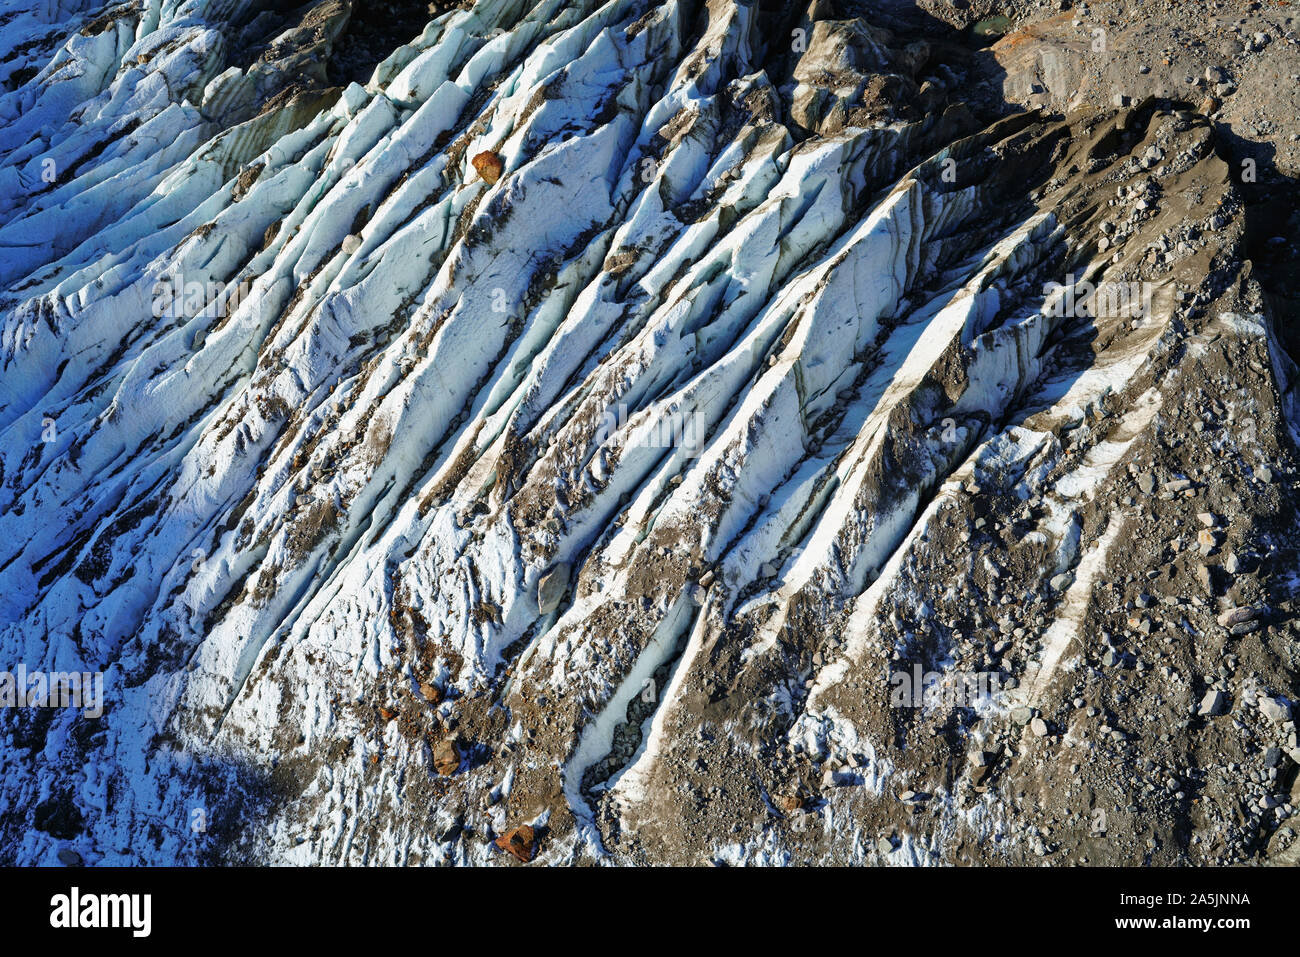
(489, 166)
(388, 714)
(521, 842)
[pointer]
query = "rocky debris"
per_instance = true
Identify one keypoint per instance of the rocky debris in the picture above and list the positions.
(790, 803)
(835, 73)
(1080, 520)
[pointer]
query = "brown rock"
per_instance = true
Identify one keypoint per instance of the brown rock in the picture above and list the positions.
(446, 756)
(489, 166)
(789, 803)
(521, 842)
(430, 693)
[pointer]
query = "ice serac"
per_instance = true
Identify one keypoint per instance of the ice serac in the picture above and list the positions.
(401, 509)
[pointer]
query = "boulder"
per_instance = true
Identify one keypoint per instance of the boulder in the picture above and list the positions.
(1275, 709)
(447, 756)
(1212, 704)
(551, 588)
(519, 842)
(489, 166)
